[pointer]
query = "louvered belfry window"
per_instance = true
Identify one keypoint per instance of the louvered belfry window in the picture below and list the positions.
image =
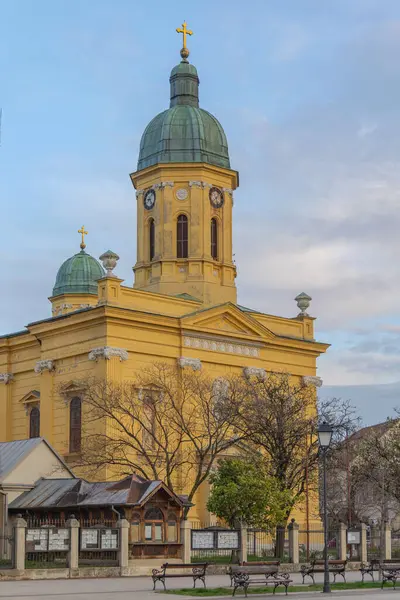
(75, 425)
(214, 239)
(151, 239)
(182, 237)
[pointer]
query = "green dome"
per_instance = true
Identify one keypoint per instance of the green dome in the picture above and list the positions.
(184, 132)
(78, 275)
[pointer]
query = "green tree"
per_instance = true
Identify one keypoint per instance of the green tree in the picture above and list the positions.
(243, 493)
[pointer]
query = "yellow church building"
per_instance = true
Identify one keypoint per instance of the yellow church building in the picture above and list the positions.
(182, 308)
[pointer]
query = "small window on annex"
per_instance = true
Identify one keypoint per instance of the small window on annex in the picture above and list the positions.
(135, 528)
(153, 525)
(172, 528)
(34, 422)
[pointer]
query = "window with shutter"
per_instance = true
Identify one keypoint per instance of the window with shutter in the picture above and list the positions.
(75, 425)
(34, 423)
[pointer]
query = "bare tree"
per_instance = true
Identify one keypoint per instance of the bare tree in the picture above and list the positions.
(168, 423)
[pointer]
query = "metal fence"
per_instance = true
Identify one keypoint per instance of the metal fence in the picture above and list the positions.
(265, 545)
(312, 544)
(7, 550)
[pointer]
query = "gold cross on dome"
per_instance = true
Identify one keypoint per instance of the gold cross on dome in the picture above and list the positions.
(83, 232)
(185, 32)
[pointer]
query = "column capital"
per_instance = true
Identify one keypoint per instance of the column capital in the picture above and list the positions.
(193, 363)
(48, 364)
(108, 352)
(6, 377)
(254, 372)
(311, 380)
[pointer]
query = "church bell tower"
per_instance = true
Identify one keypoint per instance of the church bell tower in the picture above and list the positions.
(184, 189)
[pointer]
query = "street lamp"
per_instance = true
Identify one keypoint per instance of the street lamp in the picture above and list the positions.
(324, 440)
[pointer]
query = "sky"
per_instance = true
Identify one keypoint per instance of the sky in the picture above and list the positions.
(308, 93)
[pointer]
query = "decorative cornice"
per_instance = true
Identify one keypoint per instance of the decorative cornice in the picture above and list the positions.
(309, 380)
(195, 184)
(254, 372)
(193, 363)
(220, 346)
(108, 352)
(6, 377)
(44, 365)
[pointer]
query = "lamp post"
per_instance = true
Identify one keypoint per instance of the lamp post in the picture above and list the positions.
(324, 440)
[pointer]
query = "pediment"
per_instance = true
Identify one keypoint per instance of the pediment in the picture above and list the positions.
(72, 387)
(226, 319)
(32, 396)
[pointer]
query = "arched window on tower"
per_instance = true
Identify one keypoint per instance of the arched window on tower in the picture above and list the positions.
(214, 239)
(34, 423)
(182, 237)
(151, 239)
(75, 425)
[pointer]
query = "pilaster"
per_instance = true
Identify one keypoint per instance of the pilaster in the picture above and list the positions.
(387, 542)
(73, 554)
(19, 541)
(342, 536)
(123, 552)
(186, 541)
(46, 369)
(293, 529)
(363, 543)
(6, 380)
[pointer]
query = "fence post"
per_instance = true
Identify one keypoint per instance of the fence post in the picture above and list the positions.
(342, 536)
(387, 542)
(19, 541)
(73, 553)
(186, 541)
(363, 544)
(293, 529)
(243, 545)
(123, 552)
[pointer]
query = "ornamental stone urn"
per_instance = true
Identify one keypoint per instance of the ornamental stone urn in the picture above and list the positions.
(303, 302)
(109, 260)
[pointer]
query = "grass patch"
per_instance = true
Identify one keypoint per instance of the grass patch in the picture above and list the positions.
(226, 591)
(34, 564)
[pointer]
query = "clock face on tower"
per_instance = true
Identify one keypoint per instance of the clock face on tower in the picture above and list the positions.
(216, 197)
(149, 199)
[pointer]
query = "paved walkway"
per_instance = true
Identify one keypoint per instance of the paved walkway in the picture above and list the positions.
(139, 588)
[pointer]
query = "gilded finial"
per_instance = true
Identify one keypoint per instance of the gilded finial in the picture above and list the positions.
(83, 232)
(185, 32)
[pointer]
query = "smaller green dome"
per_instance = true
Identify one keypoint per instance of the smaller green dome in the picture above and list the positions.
(78, 275)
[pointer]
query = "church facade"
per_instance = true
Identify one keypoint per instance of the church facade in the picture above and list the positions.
(182, 308)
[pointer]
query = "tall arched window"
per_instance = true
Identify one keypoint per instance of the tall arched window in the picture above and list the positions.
(151, 239)
(75, 425)
(34, 423)
(214, 239)
(182, 237)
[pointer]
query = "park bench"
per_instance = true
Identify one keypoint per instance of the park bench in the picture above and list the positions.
(272, 564)
(244, 576)
(197, 571)
(390, 571)
(376, 565)
(336, 567)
